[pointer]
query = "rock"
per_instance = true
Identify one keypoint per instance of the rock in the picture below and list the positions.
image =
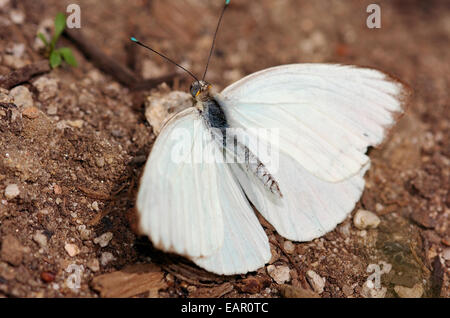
(446, 254)
(414, 292)
(72, 249)
(106, 258)
(31, 112)
(94, 265)
(41, 239)
(52, 110)
(289, 247)
(369, 291)
(47, 277)
(75, 123)
(47, 87)
(280, 274)
(12, 191)
(423, 218)
(364, 219)
(12, 251)
(316, 282)
(95, 206)
(104, 239)
(17, 16)
(22, 97)
(345, 229)
(16, 50)
(85, 234)
(160, 106)
(100, 162)
(347, 290)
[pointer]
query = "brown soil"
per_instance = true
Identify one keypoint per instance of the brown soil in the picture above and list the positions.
(77, 158)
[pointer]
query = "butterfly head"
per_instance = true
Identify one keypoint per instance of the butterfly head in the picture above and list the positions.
(200, 90)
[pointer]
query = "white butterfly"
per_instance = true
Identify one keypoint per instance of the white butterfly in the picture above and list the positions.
(326, 117)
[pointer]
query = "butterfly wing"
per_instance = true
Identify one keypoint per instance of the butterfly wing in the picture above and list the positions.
(246, 246)
(192, 204)
(310, 207)
(177, 200)
(327, 115)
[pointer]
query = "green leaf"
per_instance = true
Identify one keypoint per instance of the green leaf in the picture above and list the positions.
(60, 25)
(55, 59)
(43, 39)
(68, 56)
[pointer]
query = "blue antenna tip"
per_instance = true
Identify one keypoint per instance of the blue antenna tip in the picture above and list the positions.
(227, 2)
(134, 39)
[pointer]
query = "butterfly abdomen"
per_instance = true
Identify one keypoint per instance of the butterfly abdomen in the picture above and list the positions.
(255, 166)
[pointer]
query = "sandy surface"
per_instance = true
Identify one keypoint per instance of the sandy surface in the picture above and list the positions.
(77, 157)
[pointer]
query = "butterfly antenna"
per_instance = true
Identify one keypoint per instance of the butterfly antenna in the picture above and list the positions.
(227, 2)
(165, 57)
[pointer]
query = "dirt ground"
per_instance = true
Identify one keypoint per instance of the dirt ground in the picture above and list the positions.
(76, 143)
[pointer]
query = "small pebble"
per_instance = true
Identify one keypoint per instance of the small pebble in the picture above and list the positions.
(72, 249)
(414, 292)
(347, 290)
(12, 250)
(106, 258)
(100, 162)
(31, 112)
(17, 16)
(52, 110)
(368, 291)
(364, 219)
(280, 274)
(94, 265)
(289, 247)
(446, 254)
(47, 87)
(12, 191)
(316, 281)
(104, 239)
(47, 277)
(57, 189)
(22, 97)
(75, 123)
(95, 206)
(41, 239)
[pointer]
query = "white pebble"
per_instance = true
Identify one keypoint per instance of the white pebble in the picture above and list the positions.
(317, 282)
(289, 247)
(12, 191)
(41, 239)
(368, 290)
(446, 254)
(106, 258)
(72, 249)
(364, 219)
(280, 274)
(414, 292)
(94, 265)
(22, 97)
(104, 239)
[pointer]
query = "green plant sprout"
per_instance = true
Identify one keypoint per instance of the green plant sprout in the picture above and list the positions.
(56, 56)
